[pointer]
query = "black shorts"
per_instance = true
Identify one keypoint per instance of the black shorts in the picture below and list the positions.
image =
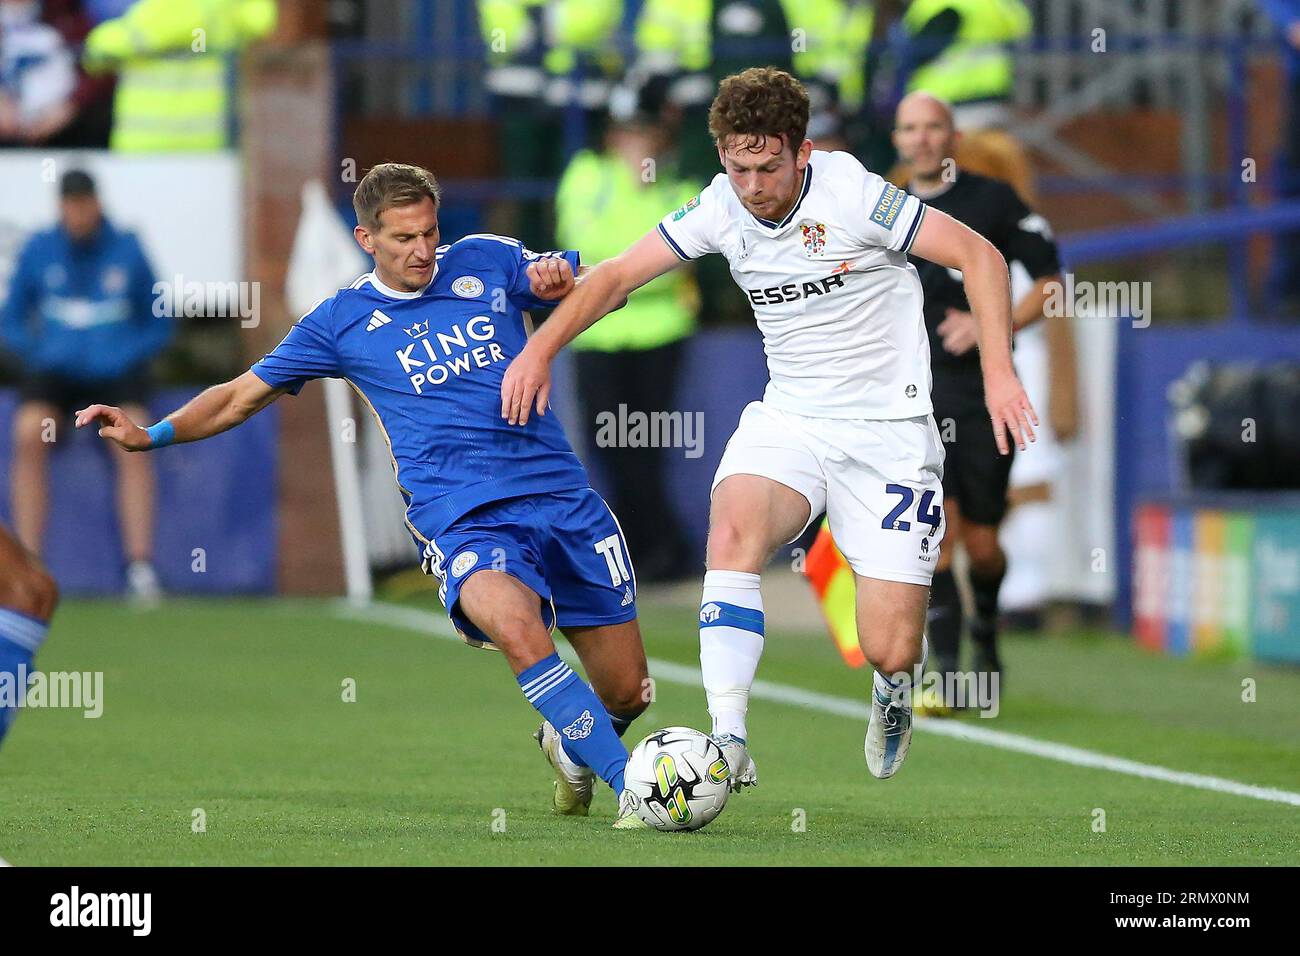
(975, 474)
(68, 395)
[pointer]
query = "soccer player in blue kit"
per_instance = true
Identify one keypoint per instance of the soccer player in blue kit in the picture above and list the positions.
(28, 596)
(505, 516)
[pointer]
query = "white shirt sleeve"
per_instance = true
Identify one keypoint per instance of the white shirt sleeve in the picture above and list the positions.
(891, 216)
(692, 230)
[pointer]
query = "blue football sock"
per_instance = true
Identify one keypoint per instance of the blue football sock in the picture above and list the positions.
(581, 720)
(20, 636)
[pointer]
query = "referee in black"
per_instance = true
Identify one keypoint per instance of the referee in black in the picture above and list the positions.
(975, 475)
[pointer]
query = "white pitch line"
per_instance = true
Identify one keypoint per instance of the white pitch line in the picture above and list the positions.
(434, 624)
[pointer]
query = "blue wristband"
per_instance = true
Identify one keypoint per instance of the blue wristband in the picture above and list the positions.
(162, 434)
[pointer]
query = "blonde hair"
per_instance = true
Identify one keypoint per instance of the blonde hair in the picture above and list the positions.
(392, 184)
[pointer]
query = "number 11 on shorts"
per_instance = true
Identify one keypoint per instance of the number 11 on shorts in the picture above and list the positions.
(612, 549)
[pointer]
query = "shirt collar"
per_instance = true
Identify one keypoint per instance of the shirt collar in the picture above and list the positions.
(395, 294)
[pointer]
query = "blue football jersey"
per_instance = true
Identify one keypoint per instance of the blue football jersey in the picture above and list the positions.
(429, 364)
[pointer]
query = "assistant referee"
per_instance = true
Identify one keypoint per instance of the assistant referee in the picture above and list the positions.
(975, 475)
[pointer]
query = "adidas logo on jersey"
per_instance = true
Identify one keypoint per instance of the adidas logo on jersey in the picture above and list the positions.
(627, 597)
(377, 320)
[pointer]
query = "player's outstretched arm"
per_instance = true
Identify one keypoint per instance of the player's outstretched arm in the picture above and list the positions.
(527, 382)
(209, 413)
(945, 241)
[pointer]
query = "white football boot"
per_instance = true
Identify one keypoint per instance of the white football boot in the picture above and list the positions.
(573, 784)
(741, 765)
(627, 815)
(889, 732)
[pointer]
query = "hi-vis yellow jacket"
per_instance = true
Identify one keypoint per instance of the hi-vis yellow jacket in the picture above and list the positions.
(977, 64)
(175, 69)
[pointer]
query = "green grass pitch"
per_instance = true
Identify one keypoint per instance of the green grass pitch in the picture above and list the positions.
(236, 708)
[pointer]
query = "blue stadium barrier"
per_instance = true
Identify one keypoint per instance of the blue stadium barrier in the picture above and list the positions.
(218, 495)
(1112, 244)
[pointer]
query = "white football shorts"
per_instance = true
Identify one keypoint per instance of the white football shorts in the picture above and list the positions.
(879, 481)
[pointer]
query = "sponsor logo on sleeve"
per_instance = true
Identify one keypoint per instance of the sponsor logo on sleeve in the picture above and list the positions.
(691, 204)
(888, 206)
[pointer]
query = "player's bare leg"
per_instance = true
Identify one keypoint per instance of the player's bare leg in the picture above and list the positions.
(509, 612)
(35, 430)
(135, 506)
(614, 659)
(25, 586)
(891, 621)
(750, 518)
(28, 596)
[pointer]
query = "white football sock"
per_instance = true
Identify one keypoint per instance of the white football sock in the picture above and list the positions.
(731, 642)
(571, 766)
(887, 685)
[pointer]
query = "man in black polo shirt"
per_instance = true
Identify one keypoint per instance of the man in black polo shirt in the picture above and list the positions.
(975, 474)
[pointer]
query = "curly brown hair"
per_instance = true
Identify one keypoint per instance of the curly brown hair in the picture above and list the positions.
(392, 184)
(760, 102)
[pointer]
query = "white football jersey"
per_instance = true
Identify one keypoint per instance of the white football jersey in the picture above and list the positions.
(835, 298)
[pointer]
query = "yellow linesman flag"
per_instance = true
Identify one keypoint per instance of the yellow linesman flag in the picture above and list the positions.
(832, 581)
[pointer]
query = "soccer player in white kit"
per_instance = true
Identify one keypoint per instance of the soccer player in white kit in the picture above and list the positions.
(819, 245)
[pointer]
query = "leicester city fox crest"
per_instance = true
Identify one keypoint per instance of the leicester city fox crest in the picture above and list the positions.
(464, 561)
(814, 237)
(581, 727)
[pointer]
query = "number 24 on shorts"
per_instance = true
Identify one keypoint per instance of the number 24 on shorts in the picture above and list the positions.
(926, 513)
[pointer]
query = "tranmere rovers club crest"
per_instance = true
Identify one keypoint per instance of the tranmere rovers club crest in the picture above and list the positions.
(814, 237)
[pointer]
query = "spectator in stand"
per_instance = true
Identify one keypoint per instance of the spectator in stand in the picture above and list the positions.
(175, 63)
(92, 99)
(38, 76)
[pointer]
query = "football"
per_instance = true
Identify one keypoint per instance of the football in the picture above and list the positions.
(679, 778)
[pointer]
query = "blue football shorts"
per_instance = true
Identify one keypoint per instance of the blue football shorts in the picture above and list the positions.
(565, 546)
